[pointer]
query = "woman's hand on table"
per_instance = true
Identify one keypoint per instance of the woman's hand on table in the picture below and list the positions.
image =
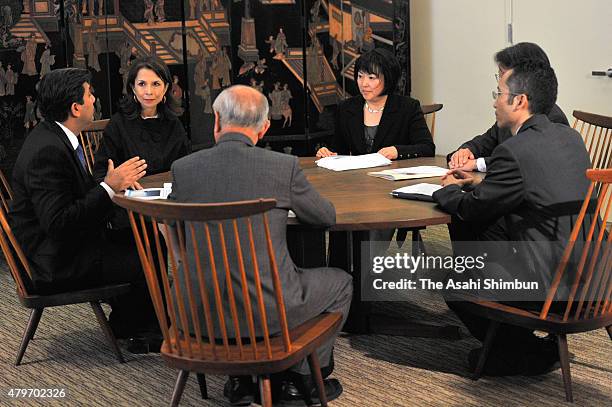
(325, 152)
(388, 152)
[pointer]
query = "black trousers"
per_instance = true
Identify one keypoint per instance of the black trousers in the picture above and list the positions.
(463, 235)
(111, 260)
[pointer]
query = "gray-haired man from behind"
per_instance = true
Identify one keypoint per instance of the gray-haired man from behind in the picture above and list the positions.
(235, 169)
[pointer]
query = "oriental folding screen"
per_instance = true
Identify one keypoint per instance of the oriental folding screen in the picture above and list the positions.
(300, 54)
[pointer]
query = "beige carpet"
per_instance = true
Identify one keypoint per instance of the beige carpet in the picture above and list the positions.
(69, 352)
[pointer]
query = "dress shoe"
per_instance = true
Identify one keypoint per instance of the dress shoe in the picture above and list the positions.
(239, 390)
(525, 362)
(144, 342)
(294, 394)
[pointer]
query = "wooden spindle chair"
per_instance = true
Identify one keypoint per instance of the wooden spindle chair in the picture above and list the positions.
(417, 240)
(430, 111)
(90, 138)
(596, 131)
(209, 308)
(21, 272)
(588, 305)
(6, 192)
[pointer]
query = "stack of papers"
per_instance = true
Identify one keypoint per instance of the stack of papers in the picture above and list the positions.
(418, 192)
(353, 162)
(398, 174)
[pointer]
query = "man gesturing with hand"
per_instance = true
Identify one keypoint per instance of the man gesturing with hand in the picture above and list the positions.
(59, 213)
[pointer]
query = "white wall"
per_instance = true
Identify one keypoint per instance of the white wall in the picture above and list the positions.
(453, 43)
(577, 37)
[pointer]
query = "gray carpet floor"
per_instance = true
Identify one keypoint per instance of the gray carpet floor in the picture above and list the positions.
(69, 352)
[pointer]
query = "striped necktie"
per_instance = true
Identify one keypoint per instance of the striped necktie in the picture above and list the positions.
(81, 156)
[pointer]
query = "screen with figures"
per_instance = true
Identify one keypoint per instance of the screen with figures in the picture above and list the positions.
(208, 46)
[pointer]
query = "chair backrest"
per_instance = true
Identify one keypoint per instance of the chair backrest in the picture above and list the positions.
(591, 284)
(6, 192)
(430, 110)
(90, 139)
(15, 258)
(596, 131)
(212, 277)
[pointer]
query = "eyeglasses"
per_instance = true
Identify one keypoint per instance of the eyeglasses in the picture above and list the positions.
(498, 75)
(497, 93)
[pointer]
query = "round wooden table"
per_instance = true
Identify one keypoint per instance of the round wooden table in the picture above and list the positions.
(364, 203)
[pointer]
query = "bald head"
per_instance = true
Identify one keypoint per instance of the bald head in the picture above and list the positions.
(241, 106)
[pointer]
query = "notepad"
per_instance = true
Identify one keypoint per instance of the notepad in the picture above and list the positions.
(418, 192)
(353, 162)
(150, 193)
(398, 174)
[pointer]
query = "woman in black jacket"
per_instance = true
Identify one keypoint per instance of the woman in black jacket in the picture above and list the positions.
(377, 120)
(145, 126)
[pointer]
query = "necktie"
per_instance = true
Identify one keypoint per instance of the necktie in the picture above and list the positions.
(81, 156)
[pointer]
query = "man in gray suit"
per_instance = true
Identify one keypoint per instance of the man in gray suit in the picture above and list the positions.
(235, 169)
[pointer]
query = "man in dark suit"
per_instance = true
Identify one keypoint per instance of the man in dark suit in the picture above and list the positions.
(59, 213)
(235, 169)
(476, 154)
(533, 190)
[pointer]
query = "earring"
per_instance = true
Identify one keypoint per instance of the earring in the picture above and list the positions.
(164, 98)
(135, 100)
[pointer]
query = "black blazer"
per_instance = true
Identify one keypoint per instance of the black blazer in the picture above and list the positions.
(536, 183)
(158, 141)
(58, 209)
(402, 125)
(484, 144)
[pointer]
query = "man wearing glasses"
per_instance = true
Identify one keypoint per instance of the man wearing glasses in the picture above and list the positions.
(526, 204)
(475, 155)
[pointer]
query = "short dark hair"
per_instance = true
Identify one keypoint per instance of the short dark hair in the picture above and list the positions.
(379, 62)
(538, 81)
(58, 90)
(128, 104)
(522, 52)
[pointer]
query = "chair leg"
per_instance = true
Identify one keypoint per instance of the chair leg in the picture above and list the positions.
(315, 369)
(418, 246)
(485, 349)
(179, 387)
(35, 315)
(265, 390)
(609, 329)
(202, 382)
(108, 332)
(565, 366)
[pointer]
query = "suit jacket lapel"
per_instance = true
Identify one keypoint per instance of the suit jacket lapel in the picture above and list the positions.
(389, 115)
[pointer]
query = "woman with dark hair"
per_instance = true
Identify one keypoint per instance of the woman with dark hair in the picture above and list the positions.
(378, 120)
(146, 124)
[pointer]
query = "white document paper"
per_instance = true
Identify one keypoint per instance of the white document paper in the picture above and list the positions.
(398, 174)
(353, 162)
(421, 189)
